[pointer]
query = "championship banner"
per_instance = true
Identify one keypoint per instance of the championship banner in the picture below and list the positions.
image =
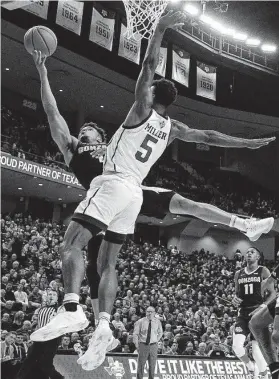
(129, 48)
(39, 8)
(102, 27)
(180, 66)
(121, 366)
(69, 15)
(161, 68)
(35, 169)
(206, 81)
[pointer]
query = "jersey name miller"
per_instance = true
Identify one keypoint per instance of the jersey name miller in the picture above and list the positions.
(253, 279)
(155, 132)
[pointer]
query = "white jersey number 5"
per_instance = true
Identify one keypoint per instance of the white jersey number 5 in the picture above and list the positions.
(143, 157)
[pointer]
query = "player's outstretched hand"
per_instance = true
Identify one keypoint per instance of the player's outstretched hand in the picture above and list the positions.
(236, 301)
(39, 61)
(262, 306)
(260, 142)
(174, 20)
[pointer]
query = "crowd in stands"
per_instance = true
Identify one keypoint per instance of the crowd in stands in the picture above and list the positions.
(26, 139)
(191, 293)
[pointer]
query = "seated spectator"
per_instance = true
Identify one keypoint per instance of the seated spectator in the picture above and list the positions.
(20, 351)
(18, 321)
(189, 349)
(202, 348)
(9, 292)
(65, 342)
(217, 351)
(173, 349)
(117, 323)
(35, 299)
(166, 346)
(6, 323)
(74, 339)
(21, 297)
(7, 347)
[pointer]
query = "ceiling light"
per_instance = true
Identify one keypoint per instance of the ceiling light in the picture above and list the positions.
(19, 188)
(80, 195)
(161, 222)
(59, 198)
(40, 184)
(217, 26)
(61, 90)
(191, 9)
(215, 225)
(252, 42)
(240, 36)
(268, 48)
(206, 19)
(101, 106)
(7, 69)
(174, 1)
(229, 32)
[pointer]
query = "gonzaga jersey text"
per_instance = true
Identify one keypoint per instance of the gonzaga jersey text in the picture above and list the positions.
(134, 150)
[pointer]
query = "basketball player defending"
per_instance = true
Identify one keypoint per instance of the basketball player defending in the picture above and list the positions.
(68, 144)
(248, 296)
(262, 317)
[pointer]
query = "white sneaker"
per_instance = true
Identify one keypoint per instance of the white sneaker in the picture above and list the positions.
(63, 322)
(113, 344)
(255, 228)
(97, 348)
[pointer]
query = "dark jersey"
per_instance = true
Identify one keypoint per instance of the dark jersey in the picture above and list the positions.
(85, 165)
(250, 287)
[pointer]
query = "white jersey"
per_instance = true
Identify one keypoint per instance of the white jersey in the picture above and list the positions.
(132, 151)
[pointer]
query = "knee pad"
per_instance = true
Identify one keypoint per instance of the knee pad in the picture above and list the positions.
(238, 345)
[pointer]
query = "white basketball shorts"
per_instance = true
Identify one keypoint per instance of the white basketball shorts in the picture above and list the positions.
(112, 203)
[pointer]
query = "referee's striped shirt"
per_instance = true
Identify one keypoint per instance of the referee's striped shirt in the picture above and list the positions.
(45, 314)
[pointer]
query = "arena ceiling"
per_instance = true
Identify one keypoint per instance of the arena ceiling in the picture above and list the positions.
(87, 85)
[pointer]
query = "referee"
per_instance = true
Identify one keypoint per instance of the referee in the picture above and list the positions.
(39, 361)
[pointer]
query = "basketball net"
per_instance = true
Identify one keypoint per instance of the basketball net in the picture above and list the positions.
(143, 17)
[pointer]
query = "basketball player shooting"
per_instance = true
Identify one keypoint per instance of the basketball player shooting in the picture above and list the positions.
(261, 318)
(248, 296)
(66, 147)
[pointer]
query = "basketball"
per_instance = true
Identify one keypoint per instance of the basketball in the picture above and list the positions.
(40, 38)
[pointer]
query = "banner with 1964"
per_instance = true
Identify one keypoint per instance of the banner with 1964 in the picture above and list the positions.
(180, 66)
(102, 26)
(206, 81)
(129, 48)
(69, 15)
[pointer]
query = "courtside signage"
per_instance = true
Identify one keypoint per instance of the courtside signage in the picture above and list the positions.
(125, 367)
(32, 168)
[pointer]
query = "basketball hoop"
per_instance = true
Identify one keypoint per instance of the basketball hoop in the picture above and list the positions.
(143, 17)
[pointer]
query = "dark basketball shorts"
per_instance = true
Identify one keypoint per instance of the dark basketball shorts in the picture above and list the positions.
(242, 322)
(273, 307)
(156, 202)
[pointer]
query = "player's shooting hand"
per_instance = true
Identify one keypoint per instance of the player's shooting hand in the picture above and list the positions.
(39, 61)
(174, 20)
(260, 142)
(262, 306)
(236, 301)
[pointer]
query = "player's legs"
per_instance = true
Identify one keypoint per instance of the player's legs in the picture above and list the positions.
(122, 225)
(241, 331)
(259, 327)
(207, 212)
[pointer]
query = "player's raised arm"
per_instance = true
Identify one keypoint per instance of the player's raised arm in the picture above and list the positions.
(58, 127)
(143, 95)
(212, 137)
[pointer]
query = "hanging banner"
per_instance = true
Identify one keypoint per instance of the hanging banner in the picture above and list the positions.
(180, 66)
(206, 81)
(161, 68)
(102, 27)
(129, 48)
(69, 15)
(39, 8)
